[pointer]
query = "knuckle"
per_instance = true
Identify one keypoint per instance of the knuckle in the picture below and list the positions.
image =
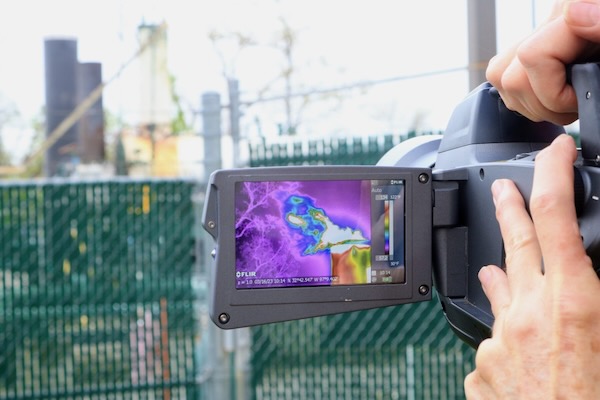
(521, 328)
(543, 203)
(528, 53)
(512, 80)
(516, 243)
(573, 313)
(518, 238)
(506, 206)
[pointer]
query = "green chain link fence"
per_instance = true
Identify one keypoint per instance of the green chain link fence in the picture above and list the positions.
(404, 352)
(329, 151)
(391, 353)
(96, 296)
(97, 300)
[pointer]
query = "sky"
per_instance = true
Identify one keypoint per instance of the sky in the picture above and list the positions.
(339, 43)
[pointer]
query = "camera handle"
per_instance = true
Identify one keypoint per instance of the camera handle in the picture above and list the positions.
(585, 79)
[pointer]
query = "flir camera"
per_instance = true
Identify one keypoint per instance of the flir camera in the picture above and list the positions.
(298, 242)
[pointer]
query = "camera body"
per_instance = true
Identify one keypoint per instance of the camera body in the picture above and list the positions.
(298, 242)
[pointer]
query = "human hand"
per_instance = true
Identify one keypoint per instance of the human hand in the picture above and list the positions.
(545, 340)
(531, 76)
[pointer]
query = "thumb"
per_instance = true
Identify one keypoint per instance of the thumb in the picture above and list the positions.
(583, 17)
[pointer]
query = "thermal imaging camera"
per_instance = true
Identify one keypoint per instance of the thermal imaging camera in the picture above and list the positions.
(298, 242)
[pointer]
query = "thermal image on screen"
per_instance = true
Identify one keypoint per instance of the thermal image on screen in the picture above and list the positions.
(311, 233)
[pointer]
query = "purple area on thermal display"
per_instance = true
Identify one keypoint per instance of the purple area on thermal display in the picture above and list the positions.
(266, 247)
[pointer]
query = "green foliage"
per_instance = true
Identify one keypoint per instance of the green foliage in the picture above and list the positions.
(35, 167)
(4, 156)
(8, 113)
(178, 123)
(120, 159)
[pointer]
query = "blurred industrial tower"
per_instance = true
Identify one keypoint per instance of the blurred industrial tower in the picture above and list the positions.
(68, 82)
(156, 106)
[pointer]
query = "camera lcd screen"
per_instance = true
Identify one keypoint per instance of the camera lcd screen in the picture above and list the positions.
(319, 233)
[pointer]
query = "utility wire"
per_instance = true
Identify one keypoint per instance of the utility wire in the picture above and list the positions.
(362, 84)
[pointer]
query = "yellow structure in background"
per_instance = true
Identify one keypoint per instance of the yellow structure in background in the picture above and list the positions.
(168, 156)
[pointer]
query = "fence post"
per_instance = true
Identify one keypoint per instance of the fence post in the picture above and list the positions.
(481, 17)
(224, 355)
(211, 130)
(214, 363)
(233, 87)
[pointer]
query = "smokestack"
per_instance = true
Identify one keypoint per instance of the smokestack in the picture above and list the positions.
(60, 55)
(91, 124)
(156, 98)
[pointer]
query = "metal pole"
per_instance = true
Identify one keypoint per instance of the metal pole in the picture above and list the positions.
(211, 130)
(482, 38)
(241, 352)
(233, 86)
(213, 353)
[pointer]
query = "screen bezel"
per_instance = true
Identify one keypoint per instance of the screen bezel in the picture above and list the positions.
(227, 299)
